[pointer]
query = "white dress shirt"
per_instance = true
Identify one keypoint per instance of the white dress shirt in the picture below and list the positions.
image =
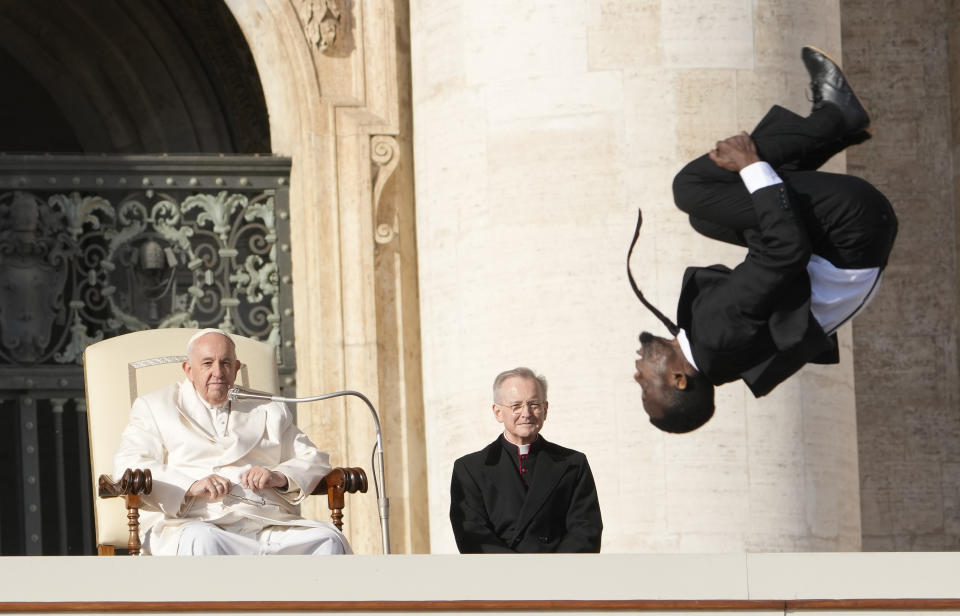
(219, 416)
(836, 294)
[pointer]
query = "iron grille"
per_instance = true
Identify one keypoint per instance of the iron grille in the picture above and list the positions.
(96, 246)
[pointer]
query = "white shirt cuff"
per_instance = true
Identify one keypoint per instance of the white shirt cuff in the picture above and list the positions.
(759, 175)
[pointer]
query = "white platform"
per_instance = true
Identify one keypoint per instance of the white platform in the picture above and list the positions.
(625, 583)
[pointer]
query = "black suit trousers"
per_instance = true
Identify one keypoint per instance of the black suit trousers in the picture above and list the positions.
(849, 222)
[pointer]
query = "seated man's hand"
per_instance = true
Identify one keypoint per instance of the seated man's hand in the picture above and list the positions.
(735, 153)
(259, 478)
(211, 487)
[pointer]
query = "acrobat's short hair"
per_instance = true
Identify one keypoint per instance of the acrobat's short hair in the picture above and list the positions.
(685, 410)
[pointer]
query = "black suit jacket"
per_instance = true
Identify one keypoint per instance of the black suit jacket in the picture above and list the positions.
(754, 322)
(491, 511)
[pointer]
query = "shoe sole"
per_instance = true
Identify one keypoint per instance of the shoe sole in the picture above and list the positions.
(837, 64)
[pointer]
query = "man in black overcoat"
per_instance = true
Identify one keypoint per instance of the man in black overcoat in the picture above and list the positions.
(522, 493)
(816, 244)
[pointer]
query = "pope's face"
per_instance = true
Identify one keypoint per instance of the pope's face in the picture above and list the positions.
(212, 367)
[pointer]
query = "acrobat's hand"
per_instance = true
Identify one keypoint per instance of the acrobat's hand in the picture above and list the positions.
(735, 153)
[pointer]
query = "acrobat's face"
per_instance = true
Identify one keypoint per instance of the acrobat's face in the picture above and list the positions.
(653, 358)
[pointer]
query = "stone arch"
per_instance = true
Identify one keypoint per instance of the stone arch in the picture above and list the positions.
(168, 76)
(130, 77)
(112, 77)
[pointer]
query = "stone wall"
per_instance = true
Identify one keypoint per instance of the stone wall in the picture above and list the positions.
(540, 128)
(902, 59)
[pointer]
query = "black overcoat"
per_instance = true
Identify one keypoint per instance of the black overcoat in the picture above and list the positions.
(491, 510)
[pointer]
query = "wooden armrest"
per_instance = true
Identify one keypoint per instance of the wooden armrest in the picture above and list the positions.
(134, 481)
(336, 484)
(131, 486)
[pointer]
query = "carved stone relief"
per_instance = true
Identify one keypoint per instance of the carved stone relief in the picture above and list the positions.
(321, 22)
(35, 250)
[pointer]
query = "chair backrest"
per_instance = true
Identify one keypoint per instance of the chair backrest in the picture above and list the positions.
(118, 370)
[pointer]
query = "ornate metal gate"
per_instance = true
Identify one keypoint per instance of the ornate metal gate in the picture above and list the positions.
(96, 246)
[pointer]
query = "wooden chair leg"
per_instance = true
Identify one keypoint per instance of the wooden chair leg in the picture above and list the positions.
(337, 516)
(133, 523)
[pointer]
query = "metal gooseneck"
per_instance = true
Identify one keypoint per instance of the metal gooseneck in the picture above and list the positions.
(383, 503)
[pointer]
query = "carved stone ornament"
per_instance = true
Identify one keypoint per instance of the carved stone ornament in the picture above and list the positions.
(385, 154)
(36, 247)
(321, 22)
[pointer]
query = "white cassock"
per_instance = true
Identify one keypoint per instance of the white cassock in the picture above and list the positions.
(173, 433)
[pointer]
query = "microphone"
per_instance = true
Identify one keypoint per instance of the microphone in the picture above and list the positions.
(239, 393)
(383, 503)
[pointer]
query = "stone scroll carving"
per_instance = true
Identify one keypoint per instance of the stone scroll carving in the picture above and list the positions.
(385, 155)
(76, 268)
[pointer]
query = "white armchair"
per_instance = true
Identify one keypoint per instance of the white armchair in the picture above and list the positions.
(116, 372)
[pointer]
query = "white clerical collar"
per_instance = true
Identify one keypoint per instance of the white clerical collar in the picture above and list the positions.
(521, 449)
(214, 408)
(685, 347)
(219, 408)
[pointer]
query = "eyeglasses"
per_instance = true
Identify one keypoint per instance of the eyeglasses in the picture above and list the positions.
(534, 405)
(259, 502)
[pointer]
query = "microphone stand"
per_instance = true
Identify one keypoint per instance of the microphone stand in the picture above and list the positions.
(383, 503)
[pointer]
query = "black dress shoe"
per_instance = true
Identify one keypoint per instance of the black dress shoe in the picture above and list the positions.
(829, 85)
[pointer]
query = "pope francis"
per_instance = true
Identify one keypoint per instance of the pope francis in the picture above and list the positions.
(228, 477)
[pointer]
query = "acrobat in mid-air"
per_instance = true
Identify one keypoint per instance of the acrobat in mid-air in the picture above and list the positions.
(816, 244)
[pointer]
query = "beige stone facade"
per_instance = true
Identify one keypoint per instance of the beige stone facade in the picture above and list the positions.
(537, 131)
(529, 174)
(465, 180)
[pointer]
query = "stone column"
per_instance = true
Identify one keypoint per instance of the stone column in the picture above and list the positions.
(904, 62)
(335, 80)
(540, 128)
